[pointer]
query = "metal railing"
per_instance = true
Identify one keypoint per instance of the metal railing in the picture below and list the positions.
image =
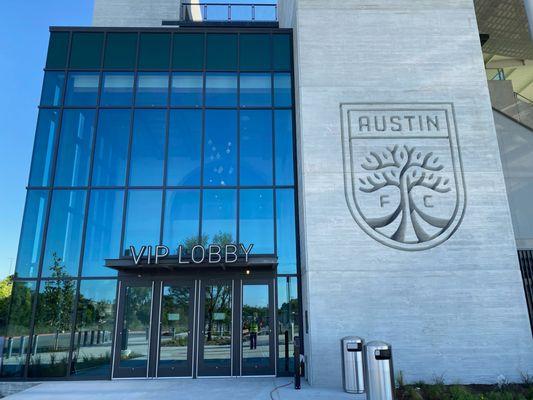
(228, 12)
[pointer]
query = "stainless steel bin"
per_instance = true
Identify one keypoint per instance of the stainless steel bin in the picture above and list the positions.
(379, 371)
(353, 377)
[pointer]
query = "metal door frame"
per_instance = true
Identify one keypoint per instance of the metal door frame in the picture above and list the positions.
(271, 284)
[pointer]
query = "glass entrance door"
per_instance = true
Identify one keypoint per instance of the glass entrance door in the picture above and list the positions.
(132, 349)
(176, 329)
(215, 325)
(257, 323)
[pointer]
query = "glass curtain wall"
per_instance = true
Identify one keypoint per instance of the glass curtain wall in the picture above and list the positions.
(147, 137)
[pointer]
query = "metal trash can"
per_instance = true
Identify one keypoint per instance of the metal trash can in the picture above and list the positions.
(353, 377)
(379, 371)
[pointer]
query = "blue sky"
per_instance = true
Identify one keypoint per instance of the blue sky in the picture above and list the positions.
(23, 45)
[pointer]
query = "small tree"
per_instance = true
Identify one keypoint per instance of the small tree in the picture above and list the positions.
(405, 168)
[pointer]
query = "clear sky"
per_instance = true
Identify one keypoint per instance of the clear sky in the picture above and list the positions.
(23, 45)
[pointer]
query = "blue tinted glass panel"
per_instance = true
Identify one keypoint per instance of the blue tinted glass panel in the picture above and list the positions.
(152, 89)
(256, 220)
(221, 89)
(154, 51)
(31, 236)
(63, 237)
(286, 231)
(182, 212)
(282, 90)
(281, 49)
(86, 50)
(53, 84)
(256, 147)
(256, 90)
(117, 89)
(43, 148)
(284, 147)
(102, 235)
(111, 152)
(143, 219)
(17, 329)
(221, 51)
(187, 89)
(75, 143)
(219, 212)
(82, 89)
(96, 317)
(255, 52)
(148, 148)
(220, 148)
(184, 148)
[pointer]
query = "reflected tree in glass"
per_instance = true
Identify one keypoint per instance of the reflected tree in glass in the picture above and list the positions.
(51, 341)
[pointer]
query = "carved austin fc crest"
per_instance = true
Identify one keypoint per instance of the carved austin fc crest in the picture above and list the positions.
(402, 172)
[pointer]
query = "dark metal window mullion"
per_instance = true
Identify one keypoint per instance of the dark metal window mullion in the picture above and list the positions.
(238, 155)
(167, 133)
(273, 132)
(130, 146)
(202, 146)
(47, 217)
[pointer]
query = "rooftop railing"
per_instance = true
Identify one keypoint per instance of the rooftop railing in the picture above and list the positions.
(228, 12)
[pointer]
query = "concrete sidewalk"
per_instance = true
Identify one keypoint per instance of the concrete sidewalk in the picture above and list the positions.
(183, 389)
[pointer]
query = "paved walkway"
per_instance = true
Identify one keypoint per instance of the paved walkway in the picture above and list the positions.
(183, 389)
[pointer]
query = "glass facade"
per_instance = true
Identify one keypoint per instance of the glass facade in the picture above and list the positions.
(148, 138)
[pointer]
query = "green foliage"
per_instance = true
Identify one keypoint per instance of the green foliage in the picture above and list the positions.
(6, 285)
(440, 391)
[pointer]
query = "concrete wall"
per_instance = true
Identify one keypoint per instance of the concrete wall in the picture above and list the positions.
(134, 13)
(516, 147)
(456, 310)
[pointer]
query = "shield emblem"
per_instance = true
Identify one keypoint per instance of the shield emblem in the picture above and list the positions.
(403, 174)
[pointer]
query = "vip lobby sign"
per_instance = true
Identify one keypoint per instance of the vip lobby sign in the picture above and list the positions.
(402, 172)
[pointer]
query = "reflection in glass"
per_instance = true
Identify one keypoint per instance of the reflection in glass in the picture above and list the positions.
(93, 337)
(31, 236)
(102, 235)
(220, 148)
(17, 329)
(135, 329)
(287, 322)
(111, 152)
(216, 328)
(219, 216)
(256, 147)
(143, 219)
(53, 323)
(184, 147)
(174, 339)
(152, 89)
(63, 238)
(181, 219)
(74, 151)
(82, 89)
(117, 89)
(256, 90)
(221, 89)
(43, 148)
(148, 148)
(256, 220)
(187, 89)
(255, 329)
(282, 90)
(284, 147)
(286, 231)
(52, 94)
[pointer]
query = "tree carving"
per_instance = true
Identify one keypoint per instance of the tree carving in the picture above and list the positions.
(405, 167)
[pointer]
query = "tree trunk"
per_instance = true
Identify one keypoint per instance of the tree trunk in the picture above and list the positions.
(406, 223)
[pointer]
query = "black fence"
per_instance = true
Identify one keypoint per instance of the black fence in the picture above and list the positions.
(526, 266)
(230, 12)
